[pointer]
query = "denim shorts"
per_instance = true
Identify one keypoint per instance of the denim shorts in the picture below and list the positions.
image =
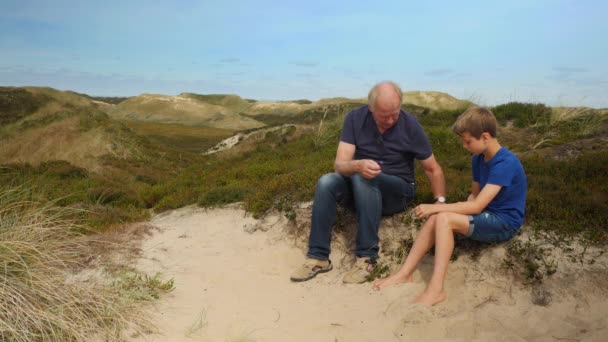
(489, 227)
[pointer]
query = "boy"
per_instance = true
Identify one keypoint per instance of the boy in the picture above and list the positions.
(493, 212)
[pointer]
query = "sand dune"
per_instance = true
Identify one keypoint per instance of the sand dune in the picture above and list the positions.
(232, 283)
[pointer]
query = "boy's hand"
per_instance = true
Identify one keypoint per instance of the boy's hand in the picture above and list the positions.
(424, 210)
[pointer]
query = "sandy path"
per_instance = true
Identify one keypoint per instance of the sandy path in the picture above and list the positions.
(231, 285)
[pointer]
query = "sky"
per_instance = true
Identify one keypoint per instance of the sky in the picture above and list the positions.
(490, 52)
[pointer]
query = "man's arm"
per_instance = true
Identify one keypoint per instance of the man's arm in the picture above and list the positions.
(435, 174)
(346, 166)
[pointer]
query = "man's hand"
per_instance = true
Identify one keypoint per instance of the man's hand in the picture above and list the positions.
(368, 168)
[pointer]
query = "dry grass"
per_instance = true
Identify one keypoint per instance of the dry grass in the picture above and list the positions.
(41, 298)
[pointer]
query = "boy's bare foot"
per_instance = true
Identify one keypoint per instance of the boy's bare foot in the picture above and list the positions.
(391, 280)
(430, 298)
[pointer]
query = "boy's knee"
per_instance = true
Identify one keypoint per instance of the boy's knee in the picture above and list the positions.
(442, 218)
(443, 222)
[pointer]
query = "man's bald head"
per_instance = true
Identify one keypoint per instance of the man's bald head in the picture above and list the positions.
(385, 94)
(385, 104)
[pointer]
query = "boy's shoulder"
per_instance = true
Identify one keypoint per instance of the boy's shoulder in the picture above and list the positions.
(506, 154)
(502, 157)
(505, 159)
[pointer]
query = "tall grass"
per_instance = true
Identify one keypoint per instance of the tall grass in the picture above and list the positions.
(40, 298)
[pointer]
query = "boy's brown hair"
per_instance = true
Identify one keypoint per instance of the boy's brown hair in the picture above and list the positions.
(475, 121)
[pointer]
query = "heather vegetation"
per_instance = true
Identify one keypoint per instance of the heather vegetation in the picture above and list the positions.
(567, 191)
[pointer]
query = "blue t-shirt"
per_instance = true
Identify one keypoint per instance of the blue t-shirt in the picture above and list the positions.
(395, 150)
(503, 169)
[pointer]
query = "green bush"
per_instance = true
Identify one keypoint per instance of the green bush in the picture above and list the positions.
(523, 114)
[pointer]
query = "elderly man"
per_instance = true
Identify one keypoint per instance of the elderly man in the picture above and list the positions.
(374, 168)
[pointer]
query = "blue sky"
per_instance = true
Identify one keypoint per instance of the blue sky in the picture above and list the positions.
(555, 52)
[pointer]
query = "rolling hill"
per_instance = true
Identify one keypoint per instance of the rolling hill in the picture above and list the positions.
(47, 124)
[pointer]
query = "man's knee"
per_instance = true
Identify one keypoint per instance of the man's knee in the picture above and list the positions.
(329, 181)
(362, 184)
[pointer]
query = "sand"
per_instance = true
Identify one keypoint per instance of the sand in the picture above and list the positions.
(231, 276)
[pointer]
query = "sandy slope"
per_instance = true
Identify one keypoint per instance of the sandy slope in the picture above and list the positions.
(232, 284)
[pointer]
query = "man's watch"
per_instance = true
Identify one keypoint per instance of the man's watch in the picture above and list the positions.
(440, 199)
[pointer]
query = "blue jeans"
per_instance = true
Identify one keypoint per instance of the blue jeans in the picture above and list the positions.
(382, 195)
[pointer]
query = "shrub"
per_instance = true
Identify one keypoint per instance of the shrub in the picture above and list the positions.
(523, 114)
(62, 169)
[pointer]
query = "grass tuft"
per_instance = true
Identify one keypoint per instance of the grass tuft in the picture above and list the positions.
(42, 298)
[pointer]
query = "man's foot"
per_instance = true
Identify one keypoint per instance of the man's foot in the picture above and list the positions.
(391, 280)
(310, 269)
(360, 272)
(431, 298)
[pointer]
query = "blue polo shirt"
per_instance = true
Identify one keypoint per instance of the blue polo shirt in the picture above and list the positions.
(395, 150)
(503, 169)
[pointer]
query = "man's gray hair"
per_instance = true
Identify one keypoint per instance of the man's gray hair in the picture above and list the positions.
(372, 97)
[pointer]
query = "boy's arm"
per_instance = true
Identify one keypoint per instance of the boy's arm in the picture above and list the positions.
(471, 207)
(474, 191)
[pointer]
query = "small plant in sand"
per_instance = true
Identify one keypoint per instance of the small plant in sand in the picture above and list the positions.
(530, 260)
(142, 287)
(381, 270)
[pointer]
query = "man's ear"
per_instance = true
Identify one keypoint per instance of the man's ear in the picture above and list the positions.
(485, 136)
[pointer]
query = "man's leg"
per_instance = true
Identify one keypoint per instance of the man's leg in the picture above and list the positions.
(368, 204)
(383, 195)
(397, 194)
(331, 189)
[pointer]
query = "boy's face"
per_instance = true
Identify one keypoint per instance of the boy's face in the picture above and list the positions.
(472, 144)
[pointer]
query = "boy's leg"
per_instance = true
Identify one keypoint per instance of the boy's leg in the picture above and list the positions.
(331, 189)
(445, 226)
(424, 241)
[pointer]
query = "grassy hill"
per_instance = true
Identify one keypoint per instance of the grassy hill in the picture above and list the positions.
(53, 125)
(138, 157)
(235, 113)
(184, 109)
